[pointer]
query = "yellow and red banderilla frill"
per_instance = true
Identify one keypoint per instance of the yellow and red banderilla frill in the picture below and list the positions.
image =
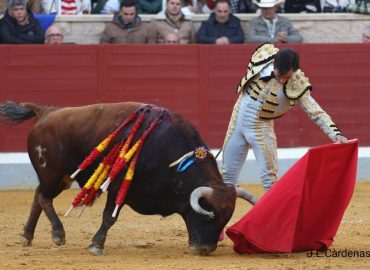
(112, 164)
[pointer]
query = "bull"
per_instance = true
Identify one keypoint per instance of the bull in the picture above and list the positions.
(62, 137)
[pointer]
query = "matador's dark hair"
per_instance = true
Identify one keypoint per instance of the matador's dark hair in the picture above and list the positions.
(285, 60)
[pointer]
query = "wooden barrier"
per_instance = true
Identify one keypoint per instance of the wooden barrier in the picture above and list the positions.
(197, 81)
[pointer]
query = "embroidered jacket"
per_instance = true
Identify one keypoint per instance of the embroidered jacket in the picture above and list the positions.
(277, 99)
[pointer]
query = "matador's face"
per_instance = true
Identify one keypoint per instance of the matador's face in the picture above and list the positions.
(283, 78)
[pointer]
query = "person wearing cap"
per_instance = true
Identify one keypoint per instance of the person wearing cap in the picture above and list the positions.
(19, 26)
(222, 27)
(270, 27)
(273, 84)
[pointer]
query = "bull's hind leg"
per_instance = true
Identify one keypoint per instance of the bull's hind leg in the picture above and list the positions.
(30, 226)
(97, 245)
(44, 203)
(41, 203)
(58, 234)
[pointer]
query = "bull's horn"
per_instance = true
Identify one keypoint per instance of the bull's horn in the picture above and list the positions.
(198, 193)
(241, 193)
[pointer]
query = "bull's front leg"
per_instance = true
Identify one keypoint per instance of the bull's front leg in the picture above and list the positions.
(97, 245)
(30, 226)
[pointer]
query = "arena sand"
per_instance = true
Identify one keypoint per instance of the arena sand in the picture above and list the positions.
(154, 242)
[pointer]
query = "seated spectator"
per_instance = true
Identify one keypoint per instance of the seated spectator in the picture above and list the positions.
(127, 27)
(337, 5)
(75, 7)
(54, 35)
(366, 35)
(272, 28)
(149, 6)
(302, 6)
(33, 5)
(19, 26)
(171, 38)
(173, 20)
(222, 27)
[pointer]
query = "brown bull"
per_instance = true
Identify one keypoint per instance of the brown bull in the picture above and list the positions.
(63, 137)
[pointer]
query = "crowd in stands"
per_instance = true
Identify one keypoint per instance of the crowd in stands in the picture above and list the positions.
(20, 20)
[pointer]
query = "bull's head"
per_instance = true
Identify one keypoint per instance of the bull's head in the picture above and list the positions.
(211, 206)
(212, 209)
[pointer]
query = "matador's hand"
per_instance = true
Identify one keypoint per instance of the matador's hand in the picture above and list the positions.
(340, 139)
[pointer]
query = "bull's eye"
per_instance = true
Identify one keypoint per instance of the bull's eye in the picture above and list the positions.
(205, 205)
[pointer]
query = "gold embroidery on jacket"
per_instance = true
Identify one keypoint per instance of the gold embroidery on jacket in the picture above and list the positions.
(319, 116)
(297, 85)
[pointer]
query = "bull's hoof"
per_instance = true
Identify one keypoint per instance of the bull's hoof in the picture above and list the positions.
(202, 250)
(96, 250)
(25, 241)
(58, 240)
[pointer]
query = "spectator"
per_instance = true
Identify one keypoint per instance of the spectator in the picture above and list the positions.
(302, 6)
(173, 20)
(127, 27)
(149, 6)
(75, 7)
(171, 38)
(272, 28)
(366, 35)
(33, 5)
(19, 26)
(54, 35)
(222, 27)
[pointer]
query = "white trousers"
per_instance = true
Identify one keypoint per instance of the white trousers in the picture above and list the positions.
(251, 131)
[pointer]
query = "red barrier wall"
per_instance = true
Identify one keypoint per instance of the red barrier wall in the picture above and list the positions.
(197, 81)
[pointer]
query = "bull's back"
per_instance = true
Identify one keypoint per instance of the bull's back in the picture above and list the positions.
(74, 131)
(94, 119)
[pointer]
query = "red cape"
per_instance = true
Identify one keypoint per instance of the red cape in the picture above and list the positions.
(303, 210)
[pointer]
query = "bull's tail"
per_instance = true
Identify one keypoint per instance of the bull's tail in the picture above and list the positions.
(13, 113)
